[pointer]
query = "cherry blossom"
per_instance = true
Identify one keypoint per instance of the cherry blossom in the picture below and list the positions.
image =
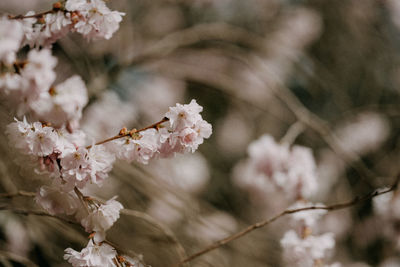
(52, 143)
(11, 36)
(55, 201)
(101, 218)
(93, 255)
(96, 20)
(272, 166)
(63, 103)
(306, 251)
(84, 165)
(184, 132)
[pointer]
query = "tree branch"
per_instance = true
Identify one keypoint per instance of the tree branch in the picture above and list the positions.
(261, 224)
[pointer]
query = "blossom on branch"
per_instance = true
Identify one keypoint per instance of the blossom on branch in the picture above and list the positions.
(184, 131)
(93, 255)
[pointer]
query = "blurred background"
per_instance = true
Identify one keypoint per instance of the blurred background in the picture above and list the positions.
(325, 72)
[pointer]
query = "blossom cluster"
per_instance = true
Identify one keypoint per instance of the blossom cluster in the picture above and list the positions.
(277, 167)
(93, 19)
(63, 156)
(301, 247)
(48, 137)
(291, 171)
(184, 132)
(33, 83)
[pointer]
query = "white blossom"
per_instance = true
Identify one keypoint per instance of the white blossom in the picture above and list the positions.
(39, 70)
(17, 133)
(101, 162)
(186, 127)
(102, 217)
(11, 83)
(141, 149)
(63, 103)
(33, 139)
(84, 165)
(97, 20)
(183, 116)
(184, 132)
(10, 41)
(273, 166)
(93, 255)
(304, 252)
(55, 201)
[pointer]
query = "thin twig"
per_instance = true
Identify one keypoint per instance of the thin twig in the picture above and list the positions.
(18, 193)
(261, 224)
(321, 127)
(153, 126)
(292, 133)
(37, 213)
(164, 229)
(203, 32)
(32, 16)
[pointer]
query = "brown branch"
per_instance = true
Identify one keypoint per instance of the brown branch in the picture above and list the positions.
(322, 128)
(153, 126)
(39, 15)
(20, 193)
(199, 33)
(261, 224)
(37, 213)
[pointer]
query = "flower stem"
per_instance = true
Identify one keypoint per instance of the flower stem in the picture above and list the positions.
(129, 133)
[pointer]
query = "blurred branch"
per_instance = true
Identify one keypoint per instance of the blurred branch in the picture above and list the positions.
(17, 258)
(322, 128)
(292, 133)
(164, 229)
(261, 224)
(187, 71)
(203, 32)
(36, 213)
(18, 193)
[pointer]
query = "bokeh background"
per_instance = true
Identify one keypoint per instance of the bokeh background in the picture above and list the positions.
(325, 74)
